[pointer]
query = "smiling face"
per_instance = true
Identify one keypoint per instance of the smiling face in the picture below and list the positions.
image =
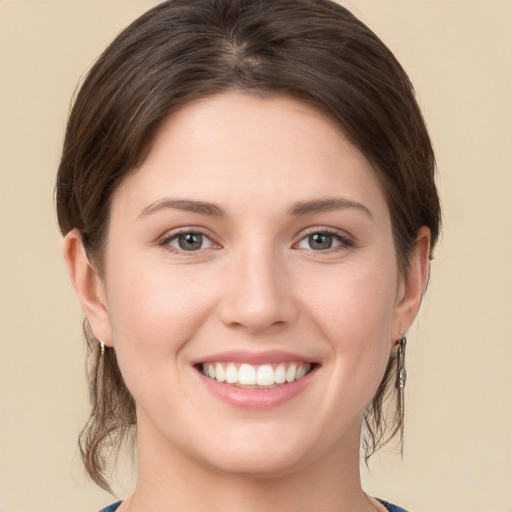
(251, 287)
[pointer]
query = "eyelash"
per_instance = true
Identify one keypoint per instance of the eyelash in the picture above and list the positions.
(344, 241)
(166, 241)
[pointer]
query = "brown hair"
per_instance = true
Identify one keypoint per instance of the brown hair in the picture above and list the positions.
(314, 50)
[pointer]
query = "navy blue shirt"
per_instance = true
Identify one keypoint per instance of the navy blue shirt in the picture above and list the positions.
(389, 506)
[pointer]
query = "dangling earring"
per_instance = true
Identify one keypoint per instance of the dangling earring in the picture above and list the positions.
(401, 379)
(99, 388)
(401, 371)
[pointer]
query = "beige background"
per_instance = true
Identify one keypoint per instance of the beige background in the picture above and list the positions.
(458, 451)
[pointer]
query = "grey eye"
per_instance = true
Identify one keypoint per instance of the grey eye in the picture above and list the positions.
(320, 241)
(323, 241)
(188, 241)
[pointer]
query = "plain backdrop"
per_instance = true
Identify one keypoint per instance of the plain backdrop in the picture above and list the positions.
(458, 446)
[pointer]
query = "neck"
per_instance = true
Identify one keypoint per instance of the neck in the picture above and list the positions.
(172, 481)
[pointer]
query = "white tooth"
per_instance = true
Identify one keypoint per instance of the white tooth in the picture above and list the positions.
(205, 370)
(280, 374)
(265, 375)
(291, 373)
(211, 371)
(231, 374)
(220, 374)
(247, 375)
(300, 372)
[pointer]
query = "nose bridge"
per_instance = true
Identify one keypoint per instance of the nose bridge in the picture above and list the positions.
(258, 295)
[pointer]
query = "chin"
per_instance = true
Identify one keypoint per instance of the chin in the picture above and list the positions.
(261, 452)
(259, 464)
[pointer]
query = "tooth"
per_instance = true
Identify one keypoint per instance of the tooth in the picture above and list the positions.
(300, 372)
(280, 374)
(247, 375)
(231, 374)
(220, 374)
(265, 375)
(291, 373)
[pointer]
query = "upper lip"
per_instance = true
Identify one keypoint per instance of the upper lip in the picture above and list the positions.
(255, 358)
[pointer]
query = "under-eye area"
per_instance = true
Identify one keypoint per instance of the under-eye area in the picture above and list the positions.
(262, 376)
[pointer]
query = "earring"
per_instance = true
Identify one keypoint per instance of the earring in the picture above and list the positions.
(102, 347)
(401, 372)
(401, 378)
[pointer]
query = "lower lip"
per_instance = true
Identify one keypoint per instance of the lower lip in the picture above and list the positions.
(257, 399)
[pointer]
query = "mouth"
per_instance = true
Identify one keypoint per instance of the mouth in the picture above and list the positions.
(252, 376)
(256, 381)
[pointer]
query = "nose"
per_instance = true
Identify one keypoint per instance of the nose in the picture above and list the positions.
(258, 294)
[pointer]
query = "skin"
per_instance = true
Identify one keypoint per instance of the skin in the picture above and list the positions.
(255, 284)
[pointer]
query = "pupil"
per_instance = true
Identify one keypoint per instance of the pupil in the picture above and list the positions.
(190, 241)
(320, 241)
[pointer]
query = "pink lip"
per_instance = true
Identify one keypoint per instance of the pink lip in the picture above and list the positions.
(256, 399)
(255, 358)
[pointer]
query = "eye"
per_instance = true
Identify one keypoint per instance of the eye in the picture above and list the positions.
(188, 241)
(323, 241)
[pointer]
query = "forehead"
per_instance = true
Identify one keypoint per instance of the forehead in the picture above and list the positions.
(242, 150)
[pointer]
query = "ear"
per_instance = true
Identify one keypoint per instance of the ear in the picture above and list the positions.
(412, 285)
(88, 286)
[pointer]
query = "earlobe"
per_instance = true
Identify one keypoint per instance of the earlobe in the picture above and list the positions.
(414, 284)
(88, 286)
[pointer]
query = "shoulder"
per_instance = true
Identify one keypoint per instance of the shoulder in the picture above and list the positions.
(111, 508)
(391, 507)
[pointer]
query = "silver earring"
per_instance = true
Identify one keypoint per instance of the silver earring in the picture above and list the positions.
(401, 378)
(401, 371)
(102, 347)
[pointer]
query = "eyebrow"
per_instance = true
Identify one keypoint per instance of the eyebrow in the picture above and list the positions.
(326, 205)
(187, 205)
(298, 209)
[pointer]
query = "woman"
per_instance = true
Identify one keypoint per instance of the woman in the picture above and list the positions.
(248, 202)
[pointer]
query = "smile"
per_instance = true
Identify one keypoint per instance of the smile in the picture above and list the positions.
(262, 376)
(257, 381)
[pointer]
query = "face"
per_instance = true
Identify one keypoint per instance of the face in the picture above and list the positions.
(251, 286)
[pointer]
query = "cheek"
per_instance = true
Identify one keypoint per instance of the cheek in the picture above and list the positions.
(354, 304)
(355, 315)
(154, 312)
